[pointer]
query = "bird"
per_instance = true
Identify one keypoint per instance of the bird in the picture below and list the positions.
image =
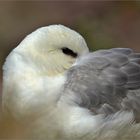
(59, 90)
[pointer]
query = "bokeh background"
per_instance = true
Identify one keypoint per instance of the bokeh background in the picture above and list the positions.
(103, 24)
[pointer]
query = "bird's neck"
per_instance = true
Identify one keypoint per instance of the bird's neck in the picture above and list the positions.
(25, 92)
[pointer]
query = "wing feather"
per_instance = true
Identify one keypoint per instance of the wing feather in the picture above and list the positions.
(105, 81)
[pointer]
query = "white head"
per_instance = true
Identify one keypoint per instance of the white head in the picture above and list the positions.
(52, 49)
(34, 70)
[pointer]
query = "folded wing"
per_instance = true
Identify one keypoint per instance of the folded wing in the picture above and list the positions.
(106, 82)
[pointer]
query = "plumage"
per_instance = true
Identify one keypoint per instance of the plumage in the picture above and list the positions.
(110, 85)
(69, 92)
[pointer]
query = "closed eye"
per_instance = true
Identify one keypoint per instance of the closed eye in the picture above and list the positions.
(69, 52)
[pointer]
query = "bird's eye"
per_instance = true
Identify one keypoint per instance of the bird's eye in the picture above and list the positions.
(69, 52)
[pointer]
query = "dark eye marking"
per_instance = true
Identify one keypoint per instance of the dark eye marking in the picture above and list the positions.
(69, 52)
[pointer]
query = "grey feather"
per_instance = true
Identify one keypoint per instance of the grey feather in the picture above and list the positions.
(130, 68)
(126, 51)
(105, 82)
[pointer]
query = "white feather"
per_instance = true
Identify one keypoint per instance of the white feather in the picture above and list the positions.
(34, 76)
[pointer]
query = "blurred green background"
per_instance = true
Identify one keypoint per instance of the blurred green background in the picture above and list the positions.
(103, 24)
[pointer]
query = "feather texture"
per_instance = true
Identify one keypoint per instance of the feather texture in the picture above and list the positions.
(104, 81)
(55, 89)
